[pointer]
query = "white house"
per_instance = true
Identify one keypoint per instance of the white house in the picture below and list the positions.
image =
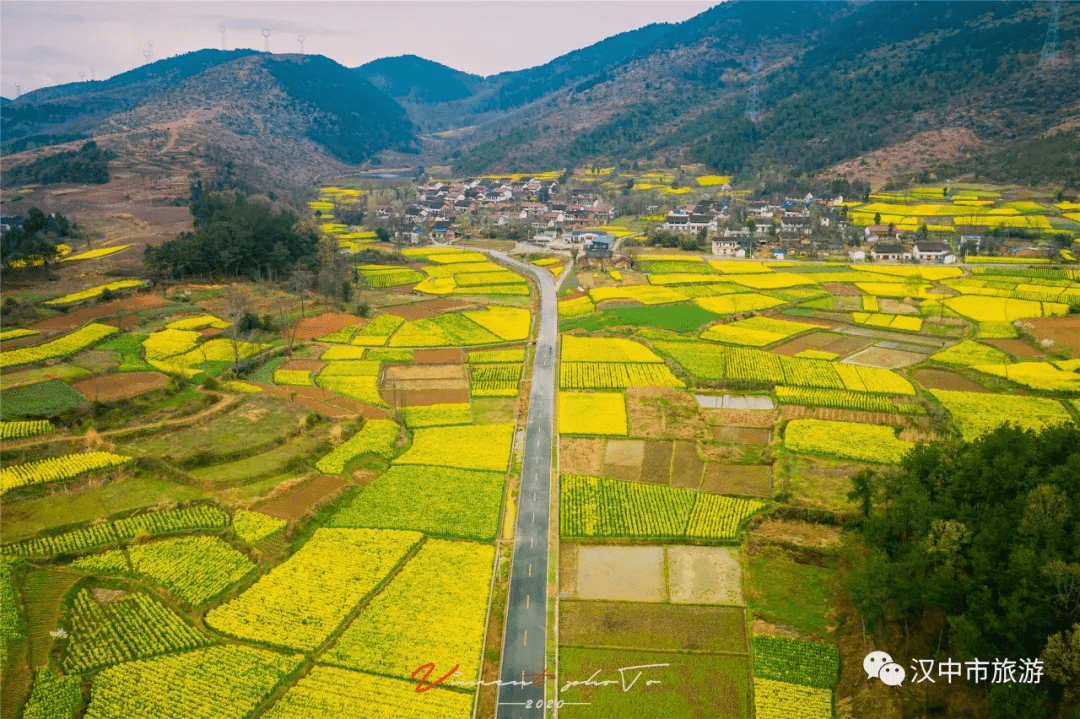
(930, 251)
(727, 248)
(889, 253)
(857, 256)
(678, 221)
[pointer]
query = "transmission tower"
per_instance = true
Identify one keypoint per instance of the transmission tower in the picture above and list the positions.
(753, 99)
(82, 76)
(266, 37)
(146, 56)
(300, 38)
(1050, 47)
(221, 29)
(149, 50)
(18, 90)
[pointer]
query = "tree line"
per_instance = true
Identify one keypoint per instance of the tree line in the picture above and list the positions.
(973, 546)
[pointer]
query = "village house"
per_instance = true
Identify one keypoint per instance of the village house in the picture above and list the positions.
(874, 233)
(889, 253)
(727, 248)
(677, 221)
(931, 251)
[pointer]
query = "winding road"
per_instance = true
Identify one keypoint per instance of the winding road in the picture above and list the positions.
(525, 633)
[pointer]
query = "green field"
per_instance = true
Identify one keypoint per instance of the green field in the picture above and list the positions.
(692, 686)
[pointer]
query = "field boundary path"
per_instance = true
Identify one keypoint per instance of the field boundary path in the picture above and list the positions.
(524, 655)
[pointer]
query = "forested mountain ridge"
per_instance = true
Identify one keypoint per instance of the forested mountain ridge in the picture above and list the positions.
(836, 81)
(286, 117)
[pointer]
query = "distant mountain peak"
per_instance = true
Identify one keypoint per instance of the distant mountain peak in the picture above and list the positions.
(418, 79)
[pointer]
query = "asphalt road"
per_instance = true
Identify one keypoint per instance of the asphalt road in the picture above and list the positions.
(525, 638)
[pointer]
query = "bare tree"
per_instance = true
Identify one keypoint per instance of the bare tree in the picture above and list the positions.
(300, 283)
(237, 307)
(289, 327)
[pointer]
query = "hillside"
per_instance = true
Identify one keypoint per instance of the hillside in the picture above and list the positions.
(419, 80)
(280, 119)
(837, 81)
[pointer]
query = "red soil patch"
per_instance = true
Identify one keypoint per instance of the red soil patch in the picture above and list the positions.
(211, 332)
(25, 341)
(324, 324)
(427, 308)
(123, 385)
(309, 365)
(1063, 330)
(447, 356)
(76, 318)
(943, 379)
(294, 502)
(129, 323)
(424, 397)
(1018, 348)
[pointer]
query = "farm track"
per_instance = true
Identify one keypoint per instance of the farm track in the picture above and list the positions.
(226, 401)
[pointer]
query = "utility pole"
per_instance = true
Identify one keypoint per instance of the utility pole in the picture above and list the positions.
(753, 99)
(1050, 46)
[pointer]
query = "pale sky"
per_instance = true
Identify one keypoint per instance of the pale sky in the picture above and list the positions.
(44, 43)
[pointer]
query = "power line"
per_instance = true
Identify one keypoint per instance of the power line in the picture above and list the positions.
(753, 99)
(1050, 47)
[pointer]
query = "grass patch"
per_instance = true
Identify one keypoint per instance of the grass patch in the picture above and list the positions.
(685, 318)
(663, 627)
(290, 455)
(785, 592)
(255, 423)
(25, 518)
(697, 686)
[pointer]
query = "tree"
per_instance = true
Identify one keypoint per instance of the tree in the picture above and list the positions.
(237, 308)
(302, 279)
(877, 218)
(862, 491)
(1062, 659)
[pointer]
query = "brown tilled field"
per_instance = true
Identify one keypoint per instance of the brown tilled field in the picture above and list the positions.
(426, 309)
(750, 480)
(446, 356)
(1019, 348)
(742, 435)
(324, 324)
(308, 365)
(79, 317)
(742, 417)
(1063, 330)
(686, 466)
(295, 501)
(120, 386)
(943, 379)
(842, 345)
(581, 456)
(405, 397)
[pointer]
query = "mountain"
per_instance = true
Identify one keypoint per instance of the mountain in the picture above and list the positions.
(839, 82)
(419, 80)
(284, 117)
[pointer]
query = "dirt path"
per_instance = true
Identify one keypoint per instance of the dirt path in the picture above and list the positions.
(225, 402)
